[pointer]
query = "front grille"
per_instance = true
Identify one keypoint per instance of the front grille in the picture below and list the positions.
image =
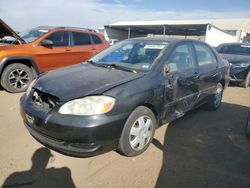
(44, 100)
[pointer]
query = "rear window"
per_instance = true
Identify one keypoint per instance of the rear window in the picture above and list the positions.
(204, 55)
(235, 49)
(81, 38)
(96, 39)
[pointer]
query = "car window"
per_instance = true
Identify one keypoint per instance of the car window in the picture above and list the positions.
(81, 38)
(235, 49)
(33, 34)
(204, 55)
(135, 55)
(59, 38)
(181, 59)
(96, 39)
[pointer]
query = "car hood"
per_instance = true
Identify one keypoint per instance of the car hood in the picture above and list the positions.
(81, 80)
(234, 59)
(6, 30)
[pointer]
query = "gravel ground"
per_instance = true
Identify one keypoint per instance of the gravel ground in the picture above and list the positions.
(201, 149)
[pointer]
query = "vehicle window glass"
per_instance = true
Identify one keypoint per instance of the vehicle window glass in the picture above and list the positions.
(181, 59)
(33, 34)
(235, 49)
(59, 38)
(134, 55)
(81, 38)
(204, 55)
(96, 39)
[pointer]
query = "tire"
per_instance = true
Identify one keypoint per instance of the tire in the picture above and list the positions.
(247, 129)
(246, 82)
(138, 132)
(214, 101)
(16, 78)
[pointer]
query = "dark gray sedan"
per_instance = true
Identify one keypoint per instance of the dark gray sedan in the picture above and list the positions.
(118, 98)
(238, 54)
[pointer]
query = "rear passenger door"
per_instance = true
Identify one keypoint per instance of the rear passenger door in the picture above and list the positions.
(208, 69)
(82, 48)
(97, 43)
(181, 86)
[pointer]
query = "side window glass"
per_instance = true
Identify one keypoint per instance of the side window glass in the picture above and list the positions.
(204, 55)
(81, 38)
(181, 59)
(59, 38)
(238, 49)
(96, 39)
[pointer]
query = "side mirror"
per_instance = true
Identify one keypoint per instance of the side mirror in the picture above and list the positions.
(47, 43)
(166, 68)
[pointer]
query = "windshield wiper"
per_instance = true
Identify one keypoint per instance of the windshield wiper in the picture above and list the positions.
(97, 64)
(115, 66)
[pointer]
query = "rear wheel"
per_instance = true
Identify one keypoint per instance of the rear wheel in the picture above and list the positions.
(215, 100)
(16, 78)
(246, 82)
(138, 132)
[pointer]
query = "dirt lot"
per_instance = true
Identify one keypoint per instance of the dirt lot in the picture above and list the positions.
(201, 149)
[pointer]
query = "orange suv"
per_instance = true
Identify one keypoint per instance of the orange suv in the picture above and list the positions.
(24, 56)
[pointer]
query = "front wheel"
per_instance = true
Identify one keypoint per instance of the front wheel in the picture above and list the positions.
(16, 78)
(138, 132)
(214, 101)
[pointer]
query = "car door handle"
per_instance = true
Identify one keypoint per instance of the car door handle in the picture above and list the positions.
(93, 48)
(67, 50)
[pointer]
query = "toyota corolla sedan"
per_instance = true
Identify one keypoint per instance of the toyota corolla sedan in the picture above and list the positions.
(117, 99)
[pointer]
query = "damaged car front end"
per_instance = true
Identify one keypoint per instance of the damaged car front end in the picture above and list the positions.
(8, 35)
(238, 55)
(119, 97)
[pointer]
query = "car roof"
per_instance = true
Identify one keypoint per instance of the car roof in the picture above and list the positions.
(162, 38)
(234, 43)
(50, 28)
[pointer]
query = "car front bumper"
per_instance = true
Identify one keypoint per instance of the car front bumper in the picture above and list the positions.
(77, 136)
(238, 74)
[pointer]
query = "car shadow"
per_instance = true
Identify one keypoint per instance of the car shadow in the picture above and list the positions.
(39, 175)
(1, 88)
(206, 149)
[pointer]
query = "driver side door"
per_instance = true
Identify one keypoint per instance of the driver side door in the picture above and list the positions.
(59, 55)
(181, 82)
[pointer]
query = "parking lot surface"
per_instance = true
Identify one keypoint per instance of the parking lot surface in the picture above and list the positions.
(201, 149)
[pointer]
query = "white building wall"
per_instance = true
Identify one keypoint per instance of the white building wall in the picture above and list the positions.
(215, 37)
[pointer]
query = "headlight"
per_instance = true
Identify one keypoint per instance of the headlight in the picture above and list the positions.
(240, 65)
(30, 87)
(87, 106)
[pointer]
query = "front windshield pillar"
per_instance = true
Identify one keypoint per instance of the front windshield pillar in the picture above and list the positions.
(129, 32)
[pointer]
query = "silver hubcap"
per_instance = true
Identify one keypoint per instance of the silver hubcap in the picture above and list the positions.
(218, 96)
(140, 133)
(18, 78)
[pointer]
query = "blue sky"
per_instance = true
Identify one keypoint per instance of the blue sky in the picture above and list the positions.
(187, 5)
(23, 14)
